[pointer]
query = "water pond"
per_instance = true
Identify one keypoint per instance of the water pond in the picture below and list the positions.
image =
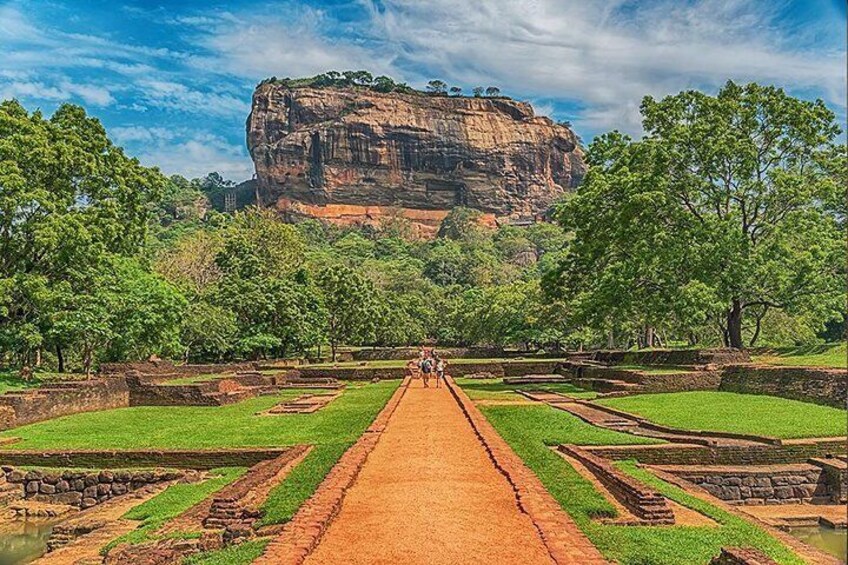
(23, 541)
(827, 539)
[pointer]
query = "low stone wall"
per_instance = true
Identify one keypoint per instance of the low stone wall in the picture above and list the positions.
(403, 353)
(353, 373)
(168, 367)
(808, 384)
(649, 382)
(60, 399)
(178, 458)
(762, 484)
(645, 503)
(790, 451)
(742, 556)
(84, 489)
(216, 392)
(673, 357)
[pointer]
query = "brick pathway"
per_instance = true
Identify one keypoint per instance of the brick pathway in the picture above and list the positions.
(431, 484)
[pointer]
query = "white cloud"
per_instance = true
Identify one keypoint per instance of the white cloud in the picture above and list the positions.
(181, 151)
(19, 85)
(177, 96)
(604, 54)
(288, 42)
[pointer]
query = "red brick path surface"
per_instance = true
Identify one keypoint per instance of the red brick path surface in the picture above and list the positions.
(431, 482)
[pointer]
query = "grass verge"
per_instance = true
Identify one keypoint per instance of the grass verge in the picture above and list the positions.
(834, 355)
(528, 430)
(240, 554)
(495, 389)
(739, 413)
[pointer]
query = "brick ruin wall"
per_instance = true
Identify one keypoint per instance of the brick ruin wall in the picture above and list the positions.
(645, 503)
(808, 384)
(673, 357)
(766, 484)
(790, 451)
(84, 489)
(60, 399)
(165, 367)
(176, 458)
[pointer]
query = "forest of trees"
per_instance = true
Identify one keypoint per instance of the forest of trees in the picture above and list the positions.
(724, 225)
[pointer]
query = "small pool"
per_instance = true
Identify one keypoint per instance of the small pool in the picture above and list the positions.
(827, 539)
(23, 541)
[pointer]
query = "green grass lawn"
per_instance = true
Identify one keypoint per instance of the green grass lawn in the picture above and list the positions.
(175, 427)
(495, 389)
(828, 355)
(739, 413)
(12, 381)
(331, 431)
(529, 430)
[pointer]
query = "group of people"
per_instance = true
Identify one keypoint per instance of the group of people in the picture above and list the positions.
(427, 365)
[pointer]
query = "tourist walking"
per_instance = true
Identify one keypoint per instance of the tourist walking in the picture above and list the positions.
(426, 369)
(440, 372)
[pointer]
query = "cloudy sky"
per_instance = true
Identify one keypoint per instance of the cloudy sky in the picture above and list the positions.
(172, 80)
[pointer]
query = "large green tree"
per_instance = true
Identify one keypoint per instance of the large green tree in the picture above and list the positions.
(68, 199)
(351, 307)
(724, 208)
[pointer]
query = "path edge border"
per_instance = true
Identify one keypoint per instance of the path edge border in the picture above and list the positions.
(565, 541)
(302, 534)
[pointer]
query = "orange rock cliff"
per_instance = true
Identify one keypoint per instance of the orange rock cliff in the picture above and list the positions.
(353, 155)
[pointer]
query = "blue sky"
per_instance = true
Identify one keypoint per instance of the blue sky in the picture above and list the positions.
(172, 81)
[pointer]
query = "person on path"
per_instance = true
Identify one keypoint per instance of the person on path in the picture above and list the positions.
(440, 372)
(426, 369)
(413, 368)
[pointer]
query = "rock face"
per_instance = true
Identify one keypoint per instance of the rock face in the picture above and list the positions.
(352, 154)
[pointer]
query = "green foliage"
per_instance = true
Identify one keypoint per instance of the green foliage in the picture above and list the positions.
(719, 411)
(726, 210)
(349, 302)
(70, 203)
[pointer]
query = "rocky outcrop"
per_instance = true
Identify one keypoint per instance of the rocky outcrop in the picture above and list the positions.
(352, 154)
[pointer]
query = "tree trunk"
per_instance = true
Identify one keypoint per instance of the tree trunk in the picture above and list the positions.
(734, 325)
(38, 356)
(60, 359)
(610, 340)
(333, 350)
(649, 337)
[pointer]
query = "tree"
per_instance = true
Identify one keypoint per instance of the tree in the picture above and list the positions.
(348, 298)
(437, 87)
(477, 91)
(720, 210)
(460, 223)
(455, 91)
(493, 91)
(68, 197)
(208, 331)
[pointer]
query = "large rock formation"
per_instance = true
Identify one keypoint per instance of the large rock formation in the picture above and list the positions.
(354, 154)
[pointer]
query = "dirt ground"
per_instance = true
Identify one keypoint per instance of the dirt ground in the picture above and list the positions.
(429, 493)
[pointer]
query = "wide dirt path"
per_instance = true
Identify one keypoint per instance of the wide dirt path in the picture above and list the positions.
(429, 493)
